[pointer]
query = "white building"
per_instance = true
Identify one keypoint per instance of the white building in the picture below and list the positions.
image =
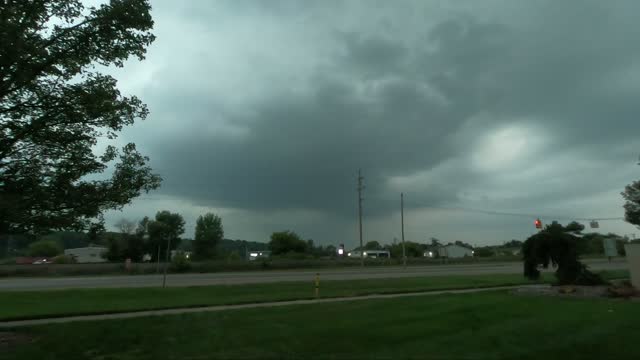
(89, 254)
(453, 251)
(370, 254)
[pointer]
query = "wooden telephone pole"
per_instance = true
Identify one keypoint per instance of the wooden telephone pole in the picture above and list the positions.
(360, 188)
(404, 254)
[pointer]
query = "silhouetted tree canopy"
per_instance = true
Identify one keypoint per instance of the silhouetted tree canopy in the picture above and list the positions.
(209, 233)
(286, 241)
(54, 107)
(631, 194)
(557, 245)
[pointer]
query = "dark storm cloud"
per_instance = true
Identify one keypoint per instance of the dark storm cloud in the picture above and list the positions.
(302, 151)
(462, 106)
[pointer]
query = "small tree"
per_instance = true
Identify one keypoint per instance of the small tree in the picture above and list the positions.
(286, 241)
(556, 245)
(632, 205)
(372, 245)
(165, 229)
(126, 227)
(485, 251)
(45, 248)
(209, 233)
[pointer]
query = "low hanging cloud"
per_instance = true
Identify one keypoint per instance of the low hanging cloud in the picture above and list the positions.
(268, 109)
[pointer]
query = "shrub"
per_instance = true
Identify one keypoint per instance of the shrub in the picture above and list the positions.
(64, 259)
(46, 248)
(180, 263)
(234, 256)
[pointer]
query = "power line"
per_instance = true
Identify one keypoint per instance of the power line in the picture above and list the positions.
(515, 214)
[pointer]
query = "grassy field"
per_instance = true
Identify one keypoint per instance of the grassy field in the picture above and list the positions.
(38, 304)
(492, 325)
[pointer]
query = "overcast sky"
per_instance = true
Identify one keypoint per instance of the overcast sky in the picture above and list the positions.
(263, 111)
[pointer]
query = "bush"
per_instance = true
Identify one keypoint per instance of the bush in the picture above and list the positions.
(180, 263)
(294, 256)
(286, 241)
(485, 251)
(46, 248)
(64, 259)
(234, 256)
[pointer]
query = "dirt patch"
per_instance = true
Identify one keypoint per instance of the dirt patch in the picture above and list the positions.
(10, 339)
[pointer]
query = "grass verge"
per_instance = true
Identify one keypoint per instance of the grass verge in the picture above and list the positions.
(16, 305)
(492, 325)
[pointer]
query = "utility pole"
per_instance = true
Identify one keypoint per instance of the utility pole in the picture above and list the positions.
(404, 254)
(360, 188)
(166, 264)
(158, 262)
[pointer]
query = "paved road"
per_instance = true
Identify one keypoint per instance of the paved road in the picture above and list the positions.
(228, 278)
(135, 314)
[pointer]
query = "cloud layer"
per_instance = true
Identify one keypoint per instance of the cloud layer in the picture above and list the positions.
(265, 111)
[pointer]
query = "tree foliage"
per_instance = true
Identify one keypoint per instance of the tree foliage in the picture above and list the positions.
(286, 241)
(209, 233)
(372, 245)
(593, 243)
(125, 226)
(125, 246)
(54, 106)
(556, 245)
(165, 229)
(45, 248)
(412, 249)
(631, 194)
(484, 251)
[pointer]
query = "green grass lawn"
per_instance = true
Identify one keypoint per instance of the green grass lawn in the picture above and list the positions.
(492, 325)
(51, 303)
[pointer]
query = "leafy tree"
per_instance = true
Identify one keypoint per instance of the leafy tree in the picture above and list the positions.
(126, 227)
(372, 245)
(242, 247)
(556, 245)
(330, 250)
(68, 239)
(164, 230)
(286, 241)
(631, 194)
(412, 249)
(513, 243)
(114, 249)
(209, 233)
(96, 231)
(463, 244)
(180, 263)
(54, 106)
(485, 251)
(45, 248)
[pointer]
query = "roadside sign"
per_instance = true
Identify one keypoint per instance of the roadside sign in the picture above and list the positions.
(610, 248)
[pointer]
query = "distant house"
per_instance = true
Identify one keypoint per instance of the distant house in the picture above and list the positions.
(453, 251)
(370, 254)
(89, 254)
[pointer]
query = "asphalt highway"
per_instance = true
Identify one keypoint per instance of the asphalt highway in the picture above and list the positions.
(228, 278)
